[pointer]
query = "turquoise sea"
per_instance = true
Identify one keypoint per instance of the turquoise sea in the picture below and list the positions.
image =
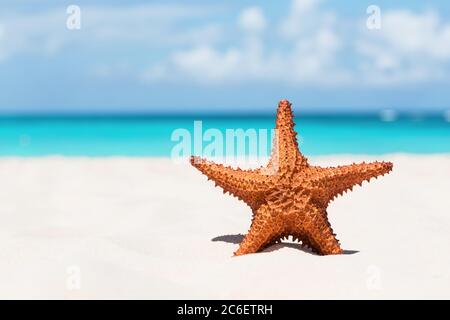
(151, 136)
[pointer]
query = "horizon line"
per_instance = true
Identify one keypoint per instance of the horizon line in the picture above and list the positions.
(233, 113)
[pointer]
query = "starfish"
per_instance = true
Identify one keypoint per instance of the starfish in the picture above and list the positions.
(289, 197)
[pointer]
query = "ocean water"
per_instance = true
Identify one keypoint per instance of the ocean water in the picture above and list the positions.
(152, 136)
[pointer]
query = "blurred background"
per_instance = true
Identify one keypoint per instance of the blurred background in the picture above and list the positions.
(97, 78)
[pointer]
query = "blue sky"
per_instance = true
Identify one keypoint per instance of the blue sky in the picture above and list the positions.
(230, 56)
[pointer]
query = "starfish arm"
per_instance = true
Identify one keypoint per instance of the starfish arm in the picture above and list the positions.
(314, 230)
(285, 153)
(264, 230)
(342, 178)
(247, 185)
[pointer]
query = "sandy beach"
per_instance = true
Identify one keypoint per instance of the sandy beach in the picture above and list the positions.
(75, 228)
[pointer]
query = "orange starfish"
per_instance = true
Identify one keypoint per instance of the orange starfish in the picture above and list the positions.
(289, 197)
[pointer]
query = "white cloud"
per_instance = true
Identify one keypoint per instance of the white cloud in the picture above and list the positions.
(410, 33)
(151, 26)
(301, 16)
(31, 33)
(252, 20)
(410, 47)
(205, 64)
(154, 25)
(300, 57)
(184, 43)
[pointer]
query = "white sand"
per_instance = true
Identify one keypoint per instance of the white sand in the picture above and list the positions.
(143, 228)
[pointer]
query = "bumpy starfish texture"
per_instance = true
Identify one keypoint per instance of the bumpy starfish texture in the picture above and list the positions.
(289, 197)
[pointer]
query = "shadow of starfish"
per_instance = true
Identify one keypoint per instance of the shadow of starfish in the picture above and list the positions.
(293, 245)
(237, 238)
(229, 238)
